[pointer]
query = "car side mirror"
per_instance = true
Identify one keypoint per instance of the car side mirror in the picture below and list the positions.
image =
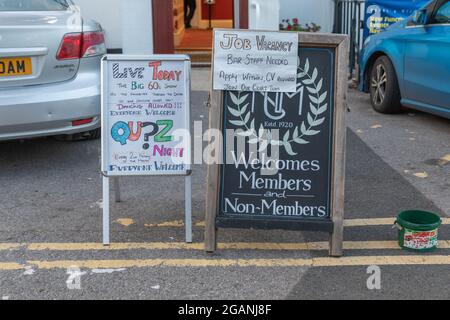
(420, 17)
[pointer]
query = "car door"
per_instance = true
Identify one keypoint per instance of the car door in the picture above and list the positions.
(427, 61)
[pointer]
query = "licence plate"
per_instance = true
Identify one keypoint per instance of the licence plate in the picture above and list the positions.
(13, 67)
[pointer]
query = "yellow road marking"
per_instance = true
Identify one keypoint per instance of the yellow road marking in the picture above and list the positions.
(369, 222)
(126, 222)
(9, 246)
(421, 175)
(347, 223)
(167, 224)
(382, 261)
(379, 222)
(10, 266)
(268, 263)
(313, 246)
(173, 224)
(318, 246)
(114, 246)
(444, 160)
(200, 224)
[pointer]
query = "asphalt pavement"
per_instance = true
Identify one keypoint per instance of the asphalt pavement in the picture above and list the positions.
(50, 220)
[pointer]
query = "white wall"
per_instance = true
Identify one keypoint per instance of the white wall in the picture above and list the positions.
(320, 12)
(264, 14)
(107, 13)
(137, 21)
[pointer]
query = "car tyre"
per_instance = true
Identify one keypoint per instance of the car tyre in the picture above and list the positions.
(384, 90)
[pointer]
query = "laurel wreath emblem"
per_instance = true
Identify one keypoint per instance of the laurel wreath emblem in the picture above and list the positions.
(299, 135)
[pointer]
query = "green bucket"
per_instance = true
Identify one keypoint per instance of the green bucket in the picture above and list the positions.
(418, 230)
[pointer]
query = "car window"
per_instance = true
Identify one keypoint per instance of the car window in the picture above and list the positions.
(442, 15)
(429, 8)
(34, 5)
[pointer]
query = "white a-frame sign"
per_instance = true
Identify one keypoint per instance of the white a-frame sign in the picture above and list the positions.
(145, 123)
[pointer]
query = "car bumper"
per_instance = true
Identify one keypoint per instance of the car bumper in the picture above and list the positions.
(45, 110)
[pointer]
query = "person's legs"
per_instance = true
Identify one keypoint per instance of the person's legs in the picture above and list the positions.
(191, 4)
(186, 10)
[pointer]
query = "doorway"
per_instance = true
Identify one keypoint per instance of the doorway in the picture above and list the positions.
(171, 35)
(197, 40)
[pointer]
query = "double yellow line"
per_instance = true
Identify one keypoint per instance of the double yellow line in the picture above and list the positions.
(202, 263)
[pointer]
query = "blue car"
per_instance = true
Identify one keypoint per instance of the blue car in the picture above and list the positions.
(409, 64)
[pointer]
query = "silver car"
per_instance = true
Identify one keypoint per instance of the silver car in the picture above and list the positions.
(49, 70)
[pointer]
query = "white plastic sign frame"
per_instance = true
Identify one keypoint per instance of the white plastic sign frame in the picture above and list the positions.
(106, 136)
(106, 139)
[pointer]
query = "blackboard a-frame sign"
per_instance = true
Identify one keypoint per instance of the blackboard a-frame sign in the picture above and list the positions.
(306, 192)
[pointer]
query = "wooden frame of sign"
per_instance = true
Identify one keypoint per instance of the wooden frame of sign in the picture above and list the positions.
(334, 224)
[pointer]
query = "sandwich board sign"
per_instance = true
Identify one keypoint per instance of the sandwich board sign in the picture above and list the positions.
(145, 122)
(283, 153)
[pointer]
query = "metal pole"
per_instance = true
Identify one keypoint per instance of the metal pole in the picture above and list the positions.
(336, 5)
(188, 208)
(106, 211)
(237, 14)
(209, 15)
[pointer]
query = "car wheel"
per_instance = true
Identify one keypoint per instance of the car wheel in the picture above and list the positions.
(83, 136)
(384, 90)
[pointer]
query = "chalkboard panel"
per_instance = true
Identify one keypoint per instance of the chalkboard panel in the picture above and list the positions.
(297, 194)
